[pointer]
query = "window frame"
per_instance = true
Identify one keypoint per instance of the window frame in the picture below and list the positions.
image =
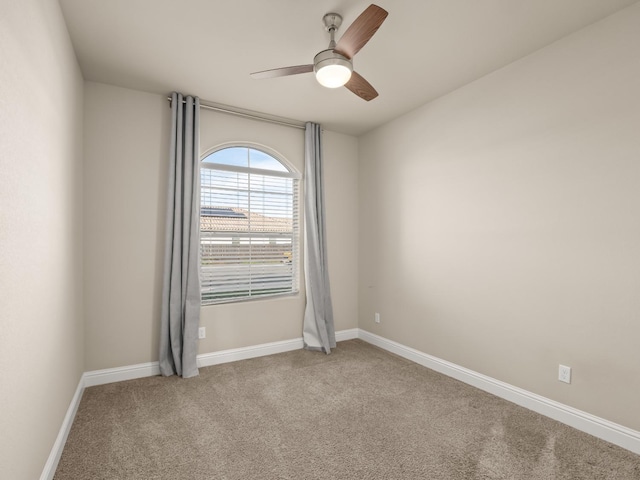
(292, 173)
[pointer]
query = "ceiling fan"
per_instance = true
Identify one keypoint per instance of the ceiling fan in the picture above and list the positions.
(334, 66)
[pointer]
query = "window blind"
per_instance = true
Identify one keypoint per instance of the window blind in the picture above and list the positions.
(249, 230)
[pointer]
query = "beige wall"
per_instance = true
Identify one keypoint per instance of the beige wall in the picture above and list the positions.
(500, 224)
(126, 144)
(341, 202)
(41, 339)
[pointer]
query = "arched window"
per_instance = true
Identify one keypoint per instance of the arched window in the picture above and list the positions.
(249, 225)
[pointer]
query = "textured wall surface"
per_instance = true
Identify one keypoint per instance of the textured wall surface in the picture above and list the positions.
(41, 334)
(500, 224)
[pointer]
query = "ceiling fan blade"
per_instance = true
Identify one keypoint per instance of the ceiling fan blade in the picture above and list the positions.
(361, 87)
(361, 31)
(283, 72)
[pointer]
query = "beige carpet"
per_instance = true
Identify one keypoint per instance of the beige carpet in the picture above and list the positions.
(359, 413)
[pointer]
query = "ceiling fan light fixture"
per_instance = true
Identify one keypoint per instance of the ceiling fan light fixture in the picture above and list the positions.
(332, 69)
(333, 76)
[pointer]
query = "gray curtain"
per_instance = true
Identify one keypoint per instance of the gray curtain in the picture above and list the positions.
(318, 332)
(180, 316)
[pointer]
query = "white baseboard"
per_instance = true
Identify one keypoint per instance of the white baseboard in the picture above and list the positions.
(343, 335)
(596, 426)
(56, 452)
(244, 353)
(120, 374)
(141, 370)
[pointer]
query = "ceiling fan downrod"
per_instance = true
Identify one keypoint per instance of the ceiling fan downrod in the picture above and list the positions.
(332, 22)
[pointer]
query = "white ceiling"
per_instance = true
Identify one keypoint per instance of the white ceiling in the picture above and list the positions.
(423, 50)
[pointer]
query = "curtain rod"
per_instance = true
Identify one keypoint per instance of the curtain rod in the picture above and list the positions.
(253, 116)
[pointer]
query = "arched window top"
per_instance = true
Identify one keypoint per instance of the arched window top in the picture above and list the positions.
(241, 157)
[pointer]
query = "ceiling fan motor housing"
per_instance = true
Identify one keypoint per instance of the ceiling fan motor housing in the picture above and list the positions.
(336, 68)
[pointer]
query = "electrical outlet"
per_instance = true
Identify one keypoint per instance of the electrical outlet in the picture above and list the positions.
(564, 373)
(376, 317)
(202, 332)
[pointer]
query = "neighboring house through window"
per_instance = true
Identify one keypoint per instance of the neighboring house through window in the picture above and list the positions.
(249, 225)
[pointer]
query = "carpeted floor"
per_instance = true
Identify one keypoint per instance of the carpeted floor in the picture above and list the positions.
(359, 413)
